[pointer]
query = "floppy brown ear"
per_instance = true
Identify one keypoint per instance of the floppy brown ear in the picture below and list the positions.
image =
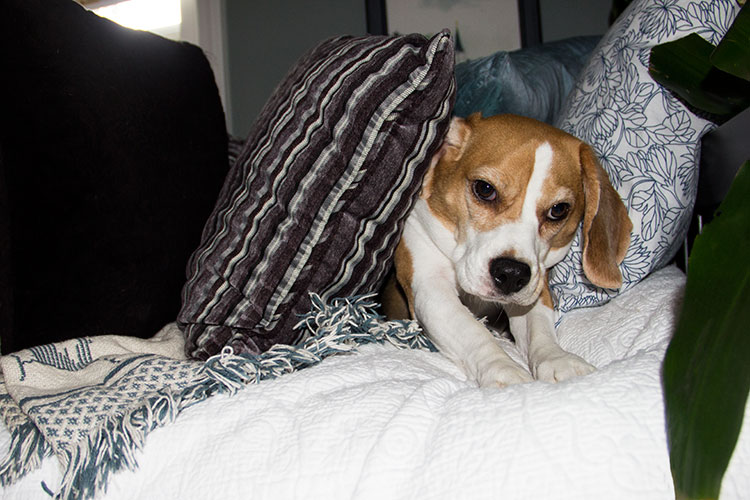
(606, 225)
(452, 148)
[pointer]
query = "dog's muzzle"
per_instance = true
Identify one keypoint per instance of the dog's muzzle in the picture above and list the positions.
(510, 276)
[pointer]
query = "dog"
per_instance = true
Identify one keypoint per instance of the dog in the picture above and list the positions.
(500, 204)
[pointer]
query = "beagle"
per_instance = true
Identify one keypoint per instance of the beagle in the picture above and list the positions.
(500, 205)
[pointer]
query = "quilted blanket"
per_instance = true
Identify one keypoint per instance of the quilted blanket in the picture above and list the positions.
(388, 422)
(92, 401)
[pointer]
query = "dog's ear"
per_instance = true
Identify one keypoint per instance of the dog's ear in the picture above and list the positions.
(606, 225)
(458, 136)
(452, 148)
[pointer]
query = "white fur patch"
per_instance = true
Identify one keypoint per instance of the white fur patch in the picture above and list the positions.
(520, 239)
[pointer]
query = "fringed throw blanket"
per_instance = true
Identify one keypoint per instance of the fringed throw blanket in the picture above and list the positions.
(92, 401)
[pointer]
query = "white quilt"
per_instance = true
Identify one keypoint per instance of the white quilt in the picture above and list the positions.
(388, 423)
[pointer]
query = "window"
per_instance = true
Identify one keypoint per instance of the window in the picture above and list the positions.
(160, 16)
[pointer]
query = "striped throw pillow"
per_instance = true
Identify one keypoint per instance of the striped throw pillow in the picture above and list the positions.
(317, 198)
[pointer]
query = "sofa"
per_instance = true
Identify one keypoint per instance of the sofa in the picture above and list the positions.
(189, 315)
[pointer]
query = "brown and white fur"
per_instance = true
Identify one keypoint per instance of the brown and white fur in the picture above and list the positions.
(499, 206)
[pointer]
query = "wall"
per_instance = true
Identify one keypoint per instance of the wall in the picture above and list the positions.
(484, 26)
(265, 37)
(567, 18)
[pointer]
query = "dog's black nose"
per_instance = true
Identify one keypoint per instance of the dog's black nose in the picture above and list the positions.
(510, 275)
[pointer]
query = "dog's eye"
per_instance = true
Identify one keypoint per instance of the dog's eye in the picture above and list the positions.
(484, 190)
(558, 211)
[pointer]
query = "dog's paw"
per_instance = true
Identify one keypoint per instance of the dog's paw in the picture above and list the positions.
(561, 366)
(500, 373)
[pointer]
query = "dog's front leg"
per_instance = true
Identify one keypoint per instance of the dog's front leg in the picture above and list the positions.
(455, 330)
(533, 328)
(463, 339)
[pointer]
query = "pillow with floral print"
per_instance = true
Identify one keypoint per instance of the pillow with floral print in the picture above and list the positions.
(646, 139)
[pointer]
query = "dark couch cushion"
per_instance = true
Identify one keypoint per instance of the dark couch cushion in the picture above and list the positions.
(113, 150)
(316, 201)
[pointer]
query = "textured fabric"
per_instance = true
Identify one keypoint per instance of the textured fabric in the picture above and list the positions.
(529, 82)
(234, 149)
(316, 201)
(93, 401)
(646, 139)
(113, 150)
(406, 424)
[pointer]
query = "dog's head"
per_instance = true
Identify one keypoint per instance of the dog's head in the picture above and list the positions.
(513, 192)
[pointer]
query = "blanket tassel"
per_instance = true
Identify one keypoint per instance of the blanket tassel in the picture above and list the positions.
(115, 444)
(27, 450)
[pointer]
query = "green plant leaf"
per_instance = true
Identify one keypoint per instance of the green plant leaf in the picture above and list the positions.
(706, 373)
(681, 66)
(732, 55)
(684, 66)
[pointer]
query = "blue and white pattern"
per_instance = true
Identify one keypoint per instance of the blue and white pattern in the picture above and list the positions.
(77, 356)
(646, 139)
(99, 416)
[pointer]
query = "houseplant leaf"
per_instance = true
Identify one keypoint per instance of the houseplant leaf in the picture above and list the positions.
(732, 55)
(682, 66)
(712, 79)
(706, 373)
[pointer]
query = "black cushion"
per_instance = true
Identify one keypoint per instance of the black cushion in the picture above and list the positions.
(317, 199)
(113, 149)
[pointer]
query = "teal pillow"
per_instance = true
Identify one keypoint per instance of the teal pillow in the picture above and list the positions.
(529, 82)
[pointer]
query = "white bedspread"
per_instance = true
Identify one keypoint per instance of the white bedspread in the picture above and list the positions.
(389, 423)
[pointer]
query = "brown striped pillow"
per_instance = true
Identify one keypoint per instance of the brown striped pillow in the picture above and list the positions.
(317, 198)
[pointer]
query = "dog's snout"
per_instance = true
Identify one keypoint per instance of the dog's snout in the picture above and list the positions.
(510, 275)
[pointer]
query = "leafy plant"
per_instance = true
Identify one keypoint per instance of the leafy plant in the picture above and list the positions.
(711, 78)
(706, 373)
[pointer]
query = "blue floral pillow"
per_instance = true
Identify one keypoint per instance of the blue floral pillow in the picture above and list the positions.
(646, 139)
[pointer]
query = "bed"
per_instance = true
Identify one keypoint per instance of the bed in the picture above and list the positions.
(280, 379)
(384, 421)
